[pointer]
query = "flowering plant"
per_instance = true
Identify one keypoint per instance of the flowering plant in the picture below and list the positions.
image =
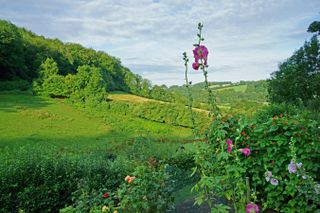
(280, 180)
(147, 191)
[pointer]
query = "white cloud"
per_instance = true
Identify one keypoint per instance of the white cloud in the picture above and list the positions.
(246, 39)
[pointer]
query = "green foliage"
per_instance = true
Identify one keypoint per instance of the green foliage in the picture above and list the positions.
(23, 52)
(298, 78)
(19, 84)
(244, 97)
(150, 191)
(160, 93)
(12, 62)
(168, 113)
(271, 142)
(33, 181)
(314, 27)
(59, 142)
(87, 86)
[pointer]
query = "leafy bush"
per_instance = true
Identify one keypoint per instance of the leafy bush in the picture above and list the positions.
(173, 114)
(148, 190)
(273, 143)
(43, 182)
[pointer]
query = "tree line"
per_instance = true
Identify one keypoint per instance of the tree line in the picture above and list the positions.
(51, 65)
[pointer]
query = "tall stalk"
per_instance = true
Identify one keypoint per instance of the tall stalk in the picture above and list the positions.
(188, 84)
(214, 110)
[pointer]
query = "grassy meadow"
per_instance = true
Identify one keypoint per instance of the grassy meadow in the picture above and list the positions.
(31, 120)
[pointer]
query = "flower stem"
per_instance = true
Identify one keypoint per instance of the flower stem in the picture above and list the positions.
(248, 189)
(194, 129)
(214, 110)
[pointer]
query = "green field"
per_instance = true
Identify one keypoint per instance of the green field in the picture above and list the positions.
(31, 120)
(237, 88)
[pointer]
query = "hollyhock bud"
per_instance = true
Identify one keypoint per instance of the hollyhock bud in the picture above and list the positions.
(195, 65)
(245, 151)
(229, 142)
(252, 208)
(268, 175)
(106, 195)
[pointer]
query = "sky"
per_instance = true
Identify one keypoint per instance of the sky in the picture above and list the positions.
(247, 39)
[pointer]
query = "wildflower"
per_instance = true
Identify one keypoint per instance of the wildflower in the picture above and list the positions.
(106, 195)
(127, 178)
(299, 165)
(243, 133)
(292, 167)
(200, 52)
(304, 177)
(105, 208)
(229, 142)
(131, 179)
(274, 181)
(245, 151)
(252, 208)
(195, 65)
(268, 175)
(115, 211)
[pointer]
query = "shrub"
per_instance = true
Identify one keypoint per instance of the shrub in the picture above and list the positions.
(148, 190)
(274, 143)
(42, 182)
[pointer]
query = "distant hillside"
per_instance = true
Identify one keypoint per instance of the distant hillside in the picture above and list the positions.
(245, 96)
(176, 114)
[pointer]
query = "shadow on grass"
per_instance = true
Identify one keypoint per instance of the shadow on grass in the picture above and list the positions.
(129, 146)
(11, 102)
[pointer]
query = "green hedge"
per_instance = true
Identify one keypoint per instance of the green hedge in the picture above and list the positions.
(44, 181)
(173, 114)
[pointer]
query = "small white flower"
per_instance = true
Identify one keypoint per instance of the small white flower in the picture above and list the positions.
(274, 181)
(299, 165)
(268, 175)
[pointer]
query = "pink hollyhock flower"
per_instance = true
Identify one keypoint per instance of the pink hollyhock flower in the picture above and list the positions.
(195, 65)
(292, 167)
(229, 142)
(274, 181)
(245, 151)
(200, 52)
(252, 208)
(268, 175)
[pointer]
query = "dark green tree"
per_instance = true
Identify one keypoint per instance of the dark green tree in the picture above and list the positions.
(314, 27)
(12, 63)
(298, 79)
